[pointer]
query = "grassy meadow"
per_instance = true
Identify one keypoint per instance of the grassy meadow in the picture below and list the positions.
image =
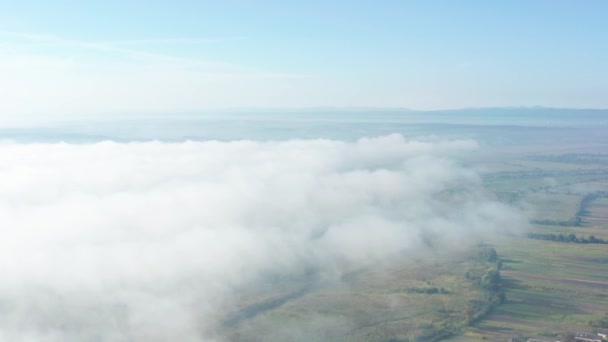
(395, 301)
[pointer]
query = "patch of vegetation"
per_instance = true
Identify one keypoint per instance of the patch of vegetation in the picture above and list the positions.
(577, 219)
(572, 158)
(569, 223)
(600, 322)
(570, 238)
(427, 290)
(550, 289)
(585, 202)
(490, 282)
(488, 254)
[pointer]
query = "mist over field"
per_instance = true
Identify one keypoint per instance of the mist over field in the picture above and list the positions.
(155, 241)
(303, 171)
(489, 127)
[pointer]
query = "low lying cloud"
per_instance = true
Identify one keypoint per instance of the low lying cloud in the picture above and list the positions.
(151, 241)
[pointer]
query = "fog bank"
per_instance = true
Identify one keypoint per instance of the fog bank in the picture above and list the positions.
(152, 241)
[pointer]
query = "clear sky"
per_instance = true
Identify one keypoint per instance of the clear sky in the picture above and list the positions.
(96, 57)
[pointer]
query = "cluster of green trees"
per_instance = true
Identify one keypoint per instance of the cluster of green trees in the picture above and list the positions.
(577, 219)
(571, 238)
(512, 175)
(600, 322)
(427, 290)
(569, 223)
(573, 158)
(486, 276)
(490, 283)
(586, 201)
(488, 254)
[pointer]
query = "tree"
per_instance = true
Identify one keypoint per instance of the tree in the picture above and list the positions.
(469, 313)
(490, 280)
(600, 322)
(569, 337)
(488, 254)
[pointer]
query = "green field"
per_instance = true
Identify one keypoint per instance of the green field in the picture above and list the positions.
(384, 303)
(597, 216)
(551, 287)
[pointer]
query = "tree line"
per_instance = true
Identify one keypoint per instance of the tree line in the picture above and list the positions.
(490, 283)
(581, 211)
(485, 275)
(571, 238)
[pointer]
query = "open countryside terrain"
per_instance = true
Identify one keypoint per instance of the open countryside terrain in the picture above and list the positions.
(393, 301)
(552, 286)
(597, 214)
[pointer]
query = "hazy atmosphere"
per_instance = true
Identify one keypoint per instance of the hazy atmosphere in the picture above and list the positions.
(303, 171)
(120, 57)
(149, 241)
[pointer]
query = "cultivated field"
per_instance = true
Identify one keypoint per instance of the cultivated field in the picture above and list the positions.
(597, 214)
(551, 286)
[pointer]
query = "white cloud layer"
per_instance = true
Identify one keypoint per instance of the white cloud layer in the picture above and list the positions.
(151, 241)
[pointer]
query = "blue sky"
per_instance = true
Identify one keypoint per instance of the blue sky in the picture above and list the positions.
(97, 57)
